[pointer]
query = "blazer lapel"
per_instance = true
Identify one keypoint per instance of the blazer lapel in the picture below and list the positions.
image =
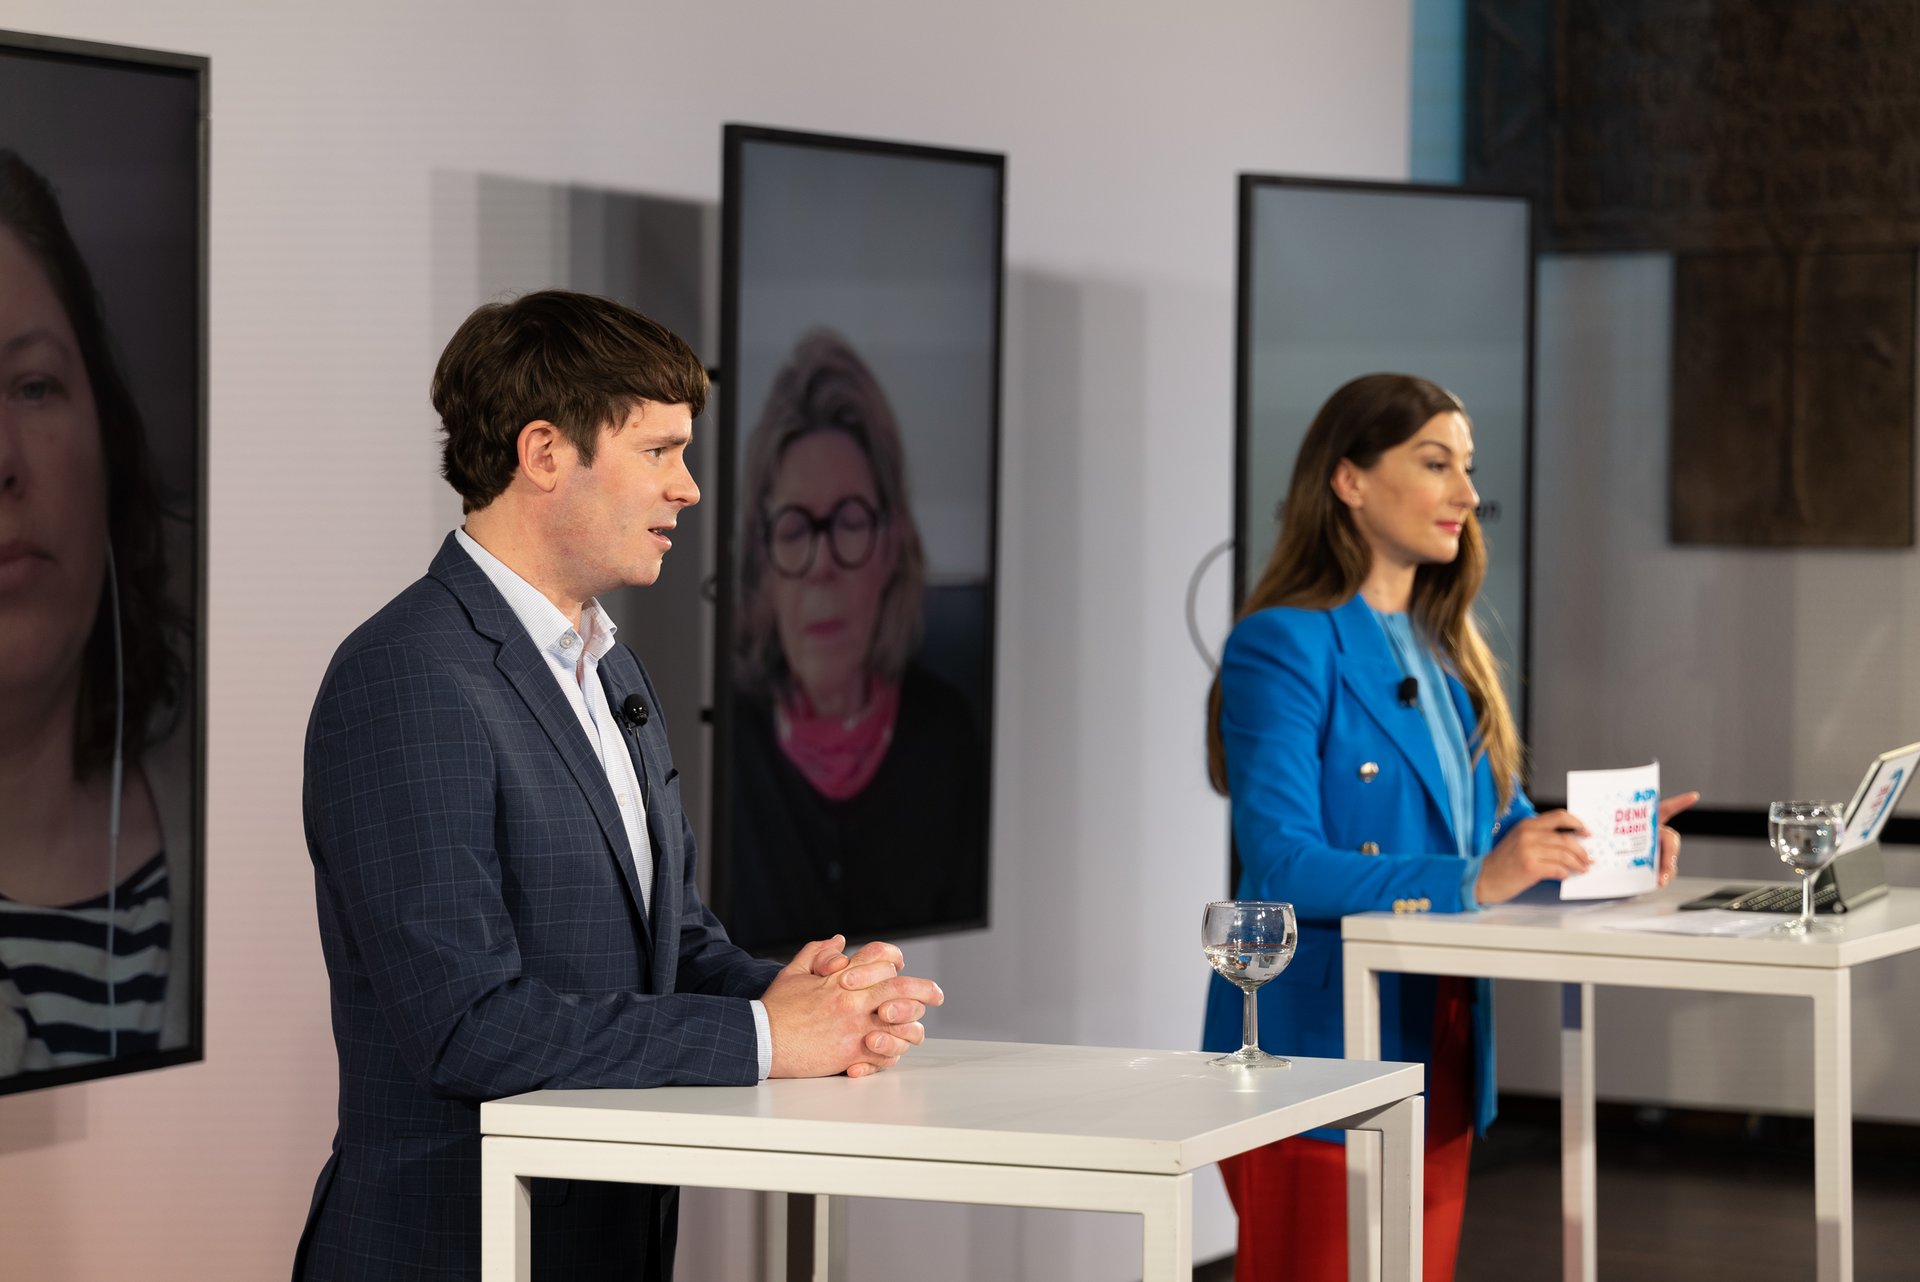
(648, 748)
(1372, 674)
(526, 670)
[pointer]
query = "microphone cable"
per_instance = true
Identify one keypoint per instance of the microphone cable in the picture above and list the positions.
(113, 801)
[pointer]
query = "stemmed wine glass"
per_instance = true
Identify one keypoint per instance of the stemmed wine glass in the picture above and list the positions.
(1806, 835)
(1248, 942)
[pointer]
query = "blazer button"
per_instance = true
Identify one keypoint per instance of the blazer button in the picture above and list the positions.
(1399, 905)
(1369, 771)
(1369, 847)
(1426, 905)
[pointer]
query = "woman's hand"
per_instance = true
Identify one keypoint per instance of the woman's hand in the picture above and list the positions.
(1669, 839)
(1544, 848)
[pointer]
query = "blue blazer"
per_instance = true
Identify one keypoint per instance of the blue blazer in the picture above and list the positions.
(484, 935)
(1308, 697)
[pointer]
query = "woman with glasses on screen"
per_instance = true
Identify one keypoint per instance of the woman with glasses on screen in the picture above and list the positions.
(1359, 727)
(859, 785)
(92, 848)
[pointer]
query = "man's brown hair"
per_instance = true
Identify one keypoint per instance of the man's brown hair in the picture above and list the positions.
(573, 360)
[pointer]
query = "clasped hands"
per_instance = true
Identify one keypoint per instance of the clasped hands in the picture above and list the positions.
(830, 1013)
(1547, 848)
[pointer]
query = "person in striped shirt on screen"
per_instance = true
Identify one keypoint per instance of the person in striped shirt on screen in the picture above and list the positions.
(56, 1008)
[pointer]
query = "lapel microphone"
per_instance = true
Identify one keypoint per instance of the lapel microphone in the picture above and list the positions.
(633, 711)
(1409, 694)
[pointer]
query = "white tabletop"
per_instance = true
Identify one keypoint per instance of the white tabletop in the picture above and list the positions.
(1008, 1103)
(1884, 928)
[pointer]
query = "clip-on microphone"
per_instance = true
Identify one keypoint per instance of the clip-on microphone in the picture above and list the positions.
(1409, 692)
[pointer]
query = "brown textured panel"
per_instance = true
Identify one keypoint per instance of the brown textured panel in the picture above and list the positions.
(1793, 399)
(1701, 124)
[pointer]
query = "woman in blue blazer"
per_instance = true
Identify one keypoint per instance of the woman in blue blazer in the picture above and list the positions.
(1359, 727)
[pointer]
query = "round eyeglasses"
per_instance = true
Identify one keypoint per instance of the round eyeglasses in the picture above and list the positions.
(852, 528)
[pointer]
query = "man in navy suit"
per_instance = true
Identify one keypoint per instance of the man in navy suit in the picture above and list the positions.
(503, 870)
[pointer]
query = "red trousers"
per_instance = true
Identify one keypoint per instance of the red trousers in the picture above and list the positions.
(1292, 1196)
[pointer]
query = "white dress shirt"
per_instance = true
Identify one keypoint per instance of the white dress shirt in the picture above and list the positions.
(574, 661)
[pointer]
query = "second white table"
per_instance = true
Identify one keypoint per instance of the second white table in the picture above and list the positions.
(1581, 948)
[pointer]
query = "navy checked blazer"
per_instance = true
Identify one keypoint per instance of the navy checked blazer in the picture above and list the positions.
(484, 935)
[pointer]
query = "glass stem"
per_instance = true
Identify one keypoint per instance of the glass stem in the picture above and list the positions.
(1250, 1022)
(1806, 900)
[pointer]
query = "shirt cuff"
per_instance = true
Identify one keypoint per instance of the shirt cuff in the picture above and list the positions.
(1468, 903)
(763, 1034)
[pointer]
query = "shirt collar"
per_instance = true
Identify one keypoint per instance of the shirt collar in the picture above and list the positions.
(550, 631)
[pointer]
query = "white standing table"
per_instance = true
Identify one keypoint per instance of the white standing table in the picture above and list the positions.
(1001, 1123)
(1579, 949)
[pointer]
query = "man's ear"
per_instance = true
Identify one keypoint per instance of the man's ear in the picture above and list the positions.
(1347, 483)
(541, 446)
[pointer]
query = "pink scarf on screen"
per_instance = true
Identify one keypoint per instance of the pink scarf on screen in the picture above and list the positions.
(838, 755)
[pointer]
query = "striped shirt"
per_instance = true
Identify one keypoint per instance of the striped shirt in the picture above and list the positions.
(54, 976)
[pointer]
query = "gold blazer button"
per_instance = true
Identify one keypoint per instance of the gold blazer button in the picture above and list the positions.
(1369, 771)
(1369, 847)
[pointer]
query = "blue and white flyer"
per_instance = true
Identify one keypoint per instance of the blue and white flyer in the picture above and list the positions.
(1621, 809)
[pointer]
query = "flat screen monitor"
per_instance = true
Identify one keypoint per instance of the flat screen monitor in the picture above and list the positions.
(1340, 279)
(859, 400)
(102, 558)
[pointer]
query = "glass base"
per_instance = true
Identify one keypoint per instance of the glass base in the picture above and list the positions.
(1251, 1057)
(1794, 926)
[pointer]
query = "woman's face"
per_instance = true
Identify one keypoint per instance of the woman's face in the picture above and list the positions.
(1411, 505)
(827, 615)
(53, 536)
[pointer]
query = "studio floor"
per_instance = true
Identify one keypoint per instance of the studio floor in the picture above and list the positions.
(1685, 1196)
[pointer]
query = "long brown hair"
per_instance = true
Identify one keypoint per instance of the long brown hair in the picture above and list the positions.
(1320, 559)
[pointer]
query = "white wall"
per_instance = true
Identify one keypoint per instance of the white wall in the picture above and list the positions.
(1750, 673)
(1124, 125)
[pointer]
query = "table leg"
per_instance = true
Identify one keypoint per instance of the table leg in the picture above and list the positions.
(1360, 991)
(829, 1239)
(772, 1209)
(1167, 1232)
(506, 1216)
(1403, 1134)
(1833, 1127)
(1579, 1176)
(808, 1237)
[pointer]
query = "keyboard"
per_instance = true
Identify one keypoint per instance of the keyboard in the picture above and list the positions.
(1782, 899)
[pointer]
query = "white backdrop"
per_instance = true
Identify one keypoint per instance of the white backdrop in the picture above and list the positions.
(1701, 657)
(1124, 126)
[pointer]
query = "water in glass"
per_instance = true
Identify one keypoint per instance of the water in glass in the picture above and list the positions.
(1248, 942)
(1806, 835)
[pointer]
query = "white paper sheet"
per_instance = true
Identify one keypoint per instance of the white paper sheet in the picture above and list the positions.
(1705, 921)
(1621, 811)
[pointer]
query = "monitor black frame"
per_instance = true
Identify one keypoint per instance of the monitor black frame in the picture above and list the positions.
(199, 67)
(734, 139)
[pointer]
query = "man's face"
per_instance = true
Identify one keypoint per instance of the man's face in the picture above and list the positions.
(617, 516)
